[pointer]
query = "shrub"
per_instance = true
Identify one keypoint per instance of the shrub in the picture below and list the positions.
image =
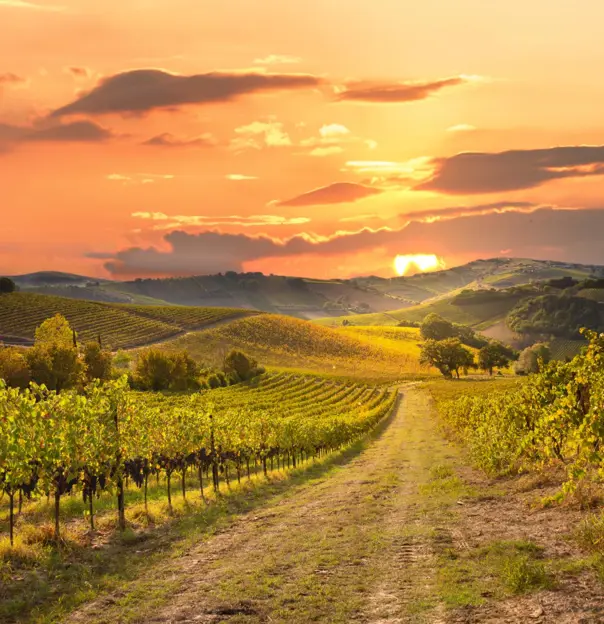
(97, 361)
(55, 365)
(13, 368)
(243, 365)
(7, 285)
(153, 370)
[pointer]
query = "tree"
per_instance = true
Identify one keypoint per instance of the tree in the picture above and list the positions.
(13, 368)
(97, 361)
(435, 327)
(241, 364)
(448, 356)
(529, 359)
(184, 372)
(154, 370)
(55, 330)
(55, 365)
(7, 285)
(494, 355)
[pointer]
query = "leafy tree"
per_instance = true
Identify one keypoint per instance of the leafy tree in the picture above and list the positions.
(97, 361)
(154, 370)
(13, 368)
(122, 360)
(435, 327)
(7, 285)
(448, 356)
(494, 355)
(55, 365)
(55, 330)
(529, 359)
(243, 365)
(184, 372)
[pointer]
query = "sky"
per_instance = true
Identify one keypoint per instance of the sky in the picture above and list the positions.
(318, 138)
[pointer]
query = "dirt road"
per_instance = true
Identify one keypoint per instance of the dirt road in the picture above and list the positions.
(402, 532)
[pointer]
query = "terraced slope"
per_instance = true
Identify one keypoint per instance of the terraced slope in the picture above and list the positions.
(119, 326)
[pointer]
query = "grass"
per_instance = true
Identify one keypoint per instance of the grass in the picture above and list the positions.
(287, 343)
(118, 325)
(41, 581)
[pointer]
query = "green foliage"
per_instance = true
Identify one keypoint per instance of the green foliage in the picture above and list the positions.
(93, 440)
(494, 355)
(13, 368)
(530, 358)
(556, 315)
(55, 365)
(55, 331)
(241, 365)
(435, 327)
(555, 417)
(97, 361)
(448, 356)
(157, 370)
(7, 285)
(122, 360)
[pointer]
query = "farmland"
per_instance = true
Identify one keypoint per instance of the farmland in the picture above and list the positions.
(119, 326)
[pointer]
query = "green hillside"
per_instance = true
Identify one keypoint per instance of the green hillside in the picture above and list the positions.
(119, 326)
(291, 343)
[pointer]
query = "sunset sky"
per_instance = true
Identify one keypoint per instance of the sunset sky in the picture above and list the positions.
(318, 138)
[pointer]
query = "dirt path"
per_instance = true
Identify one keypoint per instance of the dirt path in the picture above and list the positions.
(401, 533)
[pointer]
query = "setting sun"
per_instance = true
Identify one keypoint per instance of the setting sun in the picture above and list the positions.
(417, 263)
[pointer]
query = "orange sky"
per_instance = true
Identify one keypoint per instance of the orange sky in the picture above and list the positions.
(314, 138)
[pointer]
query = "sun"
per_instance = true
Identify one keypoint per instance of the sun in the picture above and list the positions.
(417, 263)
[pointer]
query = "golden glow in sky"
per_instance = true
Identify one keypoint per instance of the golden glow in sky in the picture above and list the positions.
(314, 138)
(418, 263)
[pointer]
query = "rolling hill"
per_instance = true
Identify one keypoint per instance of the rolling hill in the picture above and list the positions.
(118, 325)
(378, 354)
(307, 298)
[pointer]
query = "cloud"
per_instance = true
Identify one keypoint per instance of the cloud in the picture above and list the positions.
(74, 132)
(479, 172)
(170, 222)
(392, 174)
(169, 140)
(21, 4)
(452, 212)
(78, 72)
(567, 235)
(461, 128)
(142, 90)
(395, 92)
(326, 151)
(259, 134)
(239, 177)
(277, 59)
(333, 130)
(331, 140)
(337, 193)
(10, 79)
(139, 178)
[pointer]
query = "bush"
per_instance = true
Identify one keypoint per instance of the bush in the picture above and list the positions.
(13, 368)
(241, 364)
(529, 359)
(153, 370)
(55, 365)
(7, 285)
(97, 361)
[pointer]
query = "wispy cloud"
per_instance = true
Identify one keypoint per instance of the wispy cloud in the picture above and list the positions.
(337, 193)
(139, 178)
(21, 4)
(239, 177)
(259, 134)
(169, 222)
(169, 140)
(277, 59)
(461, 128)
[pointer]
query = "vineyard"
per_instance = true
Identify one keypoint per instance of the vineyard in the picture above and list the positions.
(118, 325)
(110, 439)
(553, 419)
(288, 342)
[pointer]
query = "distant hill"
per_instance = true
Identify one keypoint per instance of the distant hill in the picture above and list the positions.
(307, 298)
